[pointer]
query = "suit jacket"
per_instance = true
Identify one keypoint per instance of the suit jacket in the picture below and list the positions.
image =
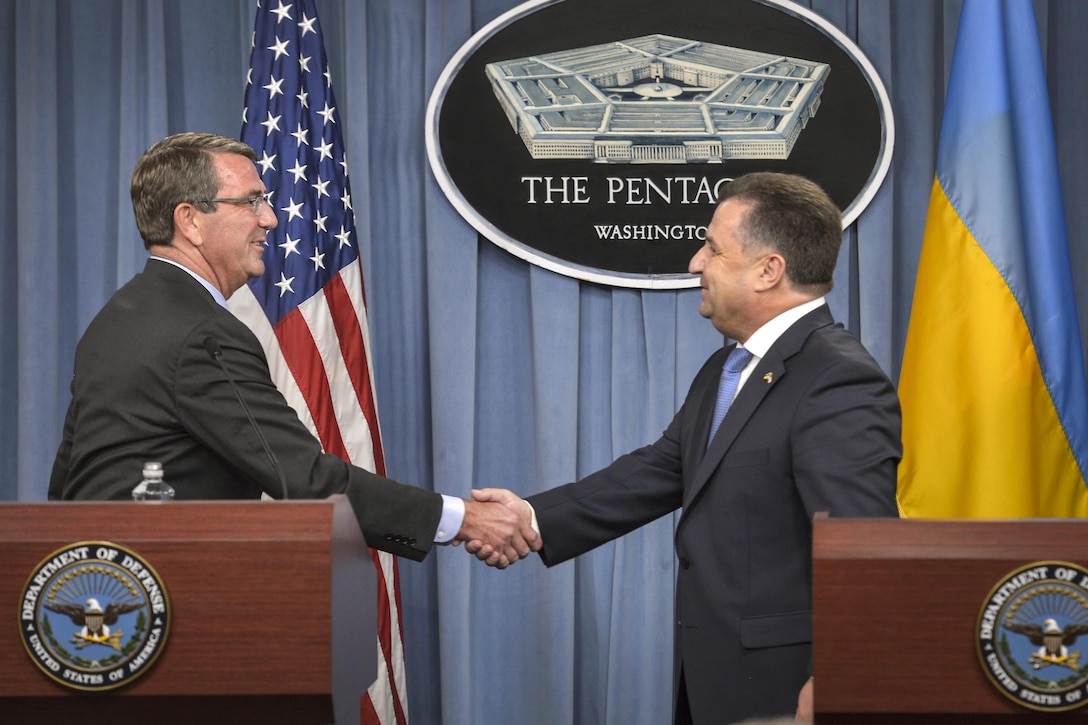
(816, 427)
(146, 388)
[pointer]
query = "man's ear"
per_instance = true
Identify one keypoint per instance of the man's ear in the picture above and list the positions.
(772, 270)
(187, 223)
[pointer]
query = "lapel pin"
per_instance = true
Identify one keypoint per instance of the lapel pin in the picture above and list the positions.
(768, 378)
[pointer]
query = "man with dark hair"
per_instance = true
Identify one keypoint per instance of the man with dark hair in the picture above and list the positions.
(147, 386)
(793, 419)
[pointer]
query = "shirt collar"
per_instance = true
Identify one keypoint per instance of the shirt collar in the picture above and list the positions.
(762, 339)
(215, 293)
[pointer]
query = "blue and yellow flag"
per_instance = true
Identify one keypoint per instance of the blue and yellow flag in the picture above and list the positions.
(995, 401)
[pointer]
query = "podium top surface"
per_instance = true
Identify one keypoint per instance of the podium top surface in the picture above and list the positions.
(178, 520)
(883, 538)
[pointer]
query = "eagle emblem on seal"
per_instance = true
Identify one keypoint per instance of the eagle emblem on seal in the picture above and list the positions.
(95, 622)
(1053, 642)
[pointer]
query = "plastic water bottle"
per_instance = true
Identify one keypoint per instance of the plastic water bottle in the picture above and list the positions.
(153, 488)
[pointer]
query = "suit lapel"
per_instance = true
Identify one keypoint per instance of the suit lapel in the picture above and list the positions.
(747, 401)
(768, 373)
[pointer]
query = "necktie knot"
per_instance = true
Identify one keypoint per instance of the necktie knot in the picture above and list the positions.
(727, 387)
(737, 359)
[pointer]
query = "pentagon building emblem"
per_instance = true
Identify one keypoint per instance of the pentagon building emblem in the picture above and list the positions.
(94, 616)
(658, 99)
(1032, 631)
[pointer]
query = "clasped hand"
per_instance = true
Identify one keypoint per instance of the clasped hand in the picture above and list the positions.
(497, 527)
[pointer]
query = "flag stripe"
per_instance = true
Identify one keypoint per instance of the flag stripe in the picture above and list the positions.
(300, 350)
(993, 384)
(391, 650)
(246, 308)
(356, 383)
(352, 431)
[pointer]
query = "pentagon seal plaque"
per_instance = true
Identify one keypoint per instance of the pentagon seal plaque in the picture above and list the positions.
(94, 616)
(1030, 634)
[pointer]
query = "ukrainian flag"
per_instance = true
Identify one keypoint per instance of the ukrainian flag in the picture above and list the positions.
(995, 402)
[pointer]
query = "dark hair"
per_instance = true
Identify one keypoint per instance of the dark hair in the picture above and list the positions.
(794, 217)
(178, 169)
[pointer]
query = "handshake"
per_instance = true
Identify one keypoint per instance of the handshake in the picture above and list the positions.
(497, 527)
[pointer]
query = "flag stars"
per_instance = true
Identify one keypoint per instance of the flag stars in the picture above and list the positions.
(306, 25)
(285, 284)
(267, 162)
(290, 246)
(272, 123)
(274, 87)
(293, 209)
(300, 135)
(299, 171)
(279, 48)
(283, 11)
(318, 231)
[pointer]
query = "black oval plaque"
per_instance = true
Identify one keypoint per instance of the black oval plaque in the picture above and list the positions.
(590, 136)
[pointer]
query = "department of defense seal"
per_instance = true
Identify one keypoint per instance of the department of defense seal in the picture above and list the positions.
(94, 616)
(1029, 629)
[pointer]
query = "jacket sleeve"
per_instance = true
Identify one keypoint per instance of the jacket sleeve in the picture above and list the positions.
(636, 489)
(393, 517)
(59, 476)
(846, 441)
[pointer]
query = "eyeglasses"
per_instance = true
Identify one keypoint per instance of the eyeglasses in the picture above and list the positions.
(256, 202)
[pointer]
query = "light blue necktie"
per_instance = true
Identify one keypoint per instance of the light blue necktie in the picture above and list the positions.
(727, 388)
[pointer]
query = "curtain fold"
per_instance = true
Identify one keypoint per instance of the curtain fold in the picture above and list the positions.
(489, 371)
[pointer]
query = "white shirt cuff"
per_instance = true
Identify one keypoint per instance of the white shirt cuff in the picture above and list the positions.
(453, 515)
(532, 521)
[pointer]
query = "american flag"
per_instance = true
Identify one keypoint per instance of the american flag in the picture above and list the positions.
(308, 309)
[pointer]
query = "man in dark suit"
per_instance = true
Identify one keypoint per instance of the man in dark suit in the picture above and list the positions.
(814, 427)
(150, 380)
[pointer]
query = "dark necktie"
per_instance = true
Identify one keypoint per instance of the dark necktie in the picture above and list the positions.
(727, 388)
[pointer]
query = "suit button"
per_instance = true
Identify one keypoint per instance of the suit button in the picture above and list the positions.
(388, 537)
(412, 543)
(685, 563)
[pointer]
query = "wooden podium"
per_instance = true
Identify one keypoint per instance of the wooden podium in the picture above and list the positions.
(896, 607)
(272, 607)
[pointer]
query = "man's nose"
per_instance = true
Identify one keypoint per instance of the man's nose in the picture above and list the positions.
(695, 266)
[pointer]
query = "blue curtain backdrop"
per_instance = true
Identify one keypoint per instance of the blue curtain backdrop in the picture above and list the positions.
(490, 372)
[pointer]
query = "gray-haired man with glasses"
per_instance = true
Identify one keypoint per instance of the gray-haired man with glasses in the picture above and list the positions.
(151, 381)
